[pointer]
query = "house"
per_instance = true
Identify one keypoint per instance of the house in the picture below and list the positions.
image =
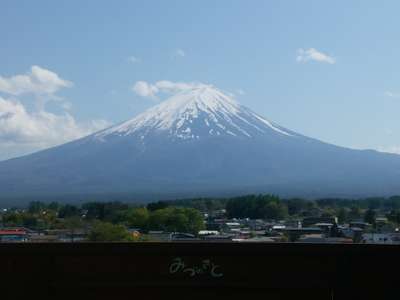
(183, 237)
(215, 224)
(304, 230)
(218, 238)
(359, 224)
(67, 235)
(159, 236)
(377, 238)
(381, 220)
(395, 238)
(295, 233)
(207, 232)
(312, 238)
(311, 221)
(134, 232)
(349, 232)
(339, 240)
(13, 235)
(41, 238)
(293, 223)
(257, 239)
(255, 224)
(382, 225)
(233, 225)
(278, 227)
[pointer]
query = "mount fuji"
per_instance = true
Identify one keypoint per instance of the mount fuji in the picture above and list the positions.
(198, 143)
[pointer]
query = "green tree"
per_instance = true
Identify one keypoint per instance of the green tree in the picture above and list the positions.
(68, 211)
(158, 219)
(13, 218)
(176, 219)
(256, 207)
(370, 216)
(105, 211)
(393, 202)
(30, 221)
(73, 224)
(108, 232)
(36, 207)
(296, 206)
(54, 206)
(355, 213)
(49, 218)
(342, 215)
(157, 205)
(275, 211)
(195, 220)
(394, 216)
(328, 212)
(137, 217)
(374, 203)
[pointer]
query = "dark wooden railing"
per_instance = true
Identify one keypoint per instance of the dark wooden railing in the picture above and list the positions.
(199, 271)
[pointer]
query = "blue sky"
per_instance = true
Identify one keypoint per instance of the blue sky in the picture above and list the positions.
(326, 69)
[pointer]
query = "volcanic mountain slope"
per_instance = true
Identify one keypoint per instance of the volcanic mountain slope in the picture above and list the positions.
(199, 142)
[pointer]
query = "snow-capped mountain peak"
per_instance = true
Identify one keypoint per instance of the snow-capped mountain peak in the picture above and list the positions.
(195, 113)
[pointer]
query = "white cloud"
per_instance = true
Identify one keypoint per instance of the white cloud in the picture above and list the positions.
(144, 89)
(167, 86)
(305, 55)
(22, 131)
(66, 106)
(392, 95)
(149, 90)
(134, 59)
(390, 149)
(38, 81)
(179, 53)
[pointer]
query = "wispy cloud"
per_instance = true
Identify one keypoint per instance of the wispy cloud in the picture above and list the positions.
(312, 54)
(150, 90)
(179, 53)
(134, 59)
(392, 95)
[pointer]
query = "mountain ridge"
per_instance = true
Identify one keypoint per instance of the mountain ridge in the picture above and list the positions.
(200, 142)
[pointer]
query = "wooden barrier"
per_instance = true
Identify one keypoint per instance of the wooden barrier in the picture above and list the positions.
(199, 271)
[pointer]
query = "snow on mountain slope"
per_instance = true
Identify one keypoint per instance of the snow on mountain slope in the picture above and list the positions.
(195, 113)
